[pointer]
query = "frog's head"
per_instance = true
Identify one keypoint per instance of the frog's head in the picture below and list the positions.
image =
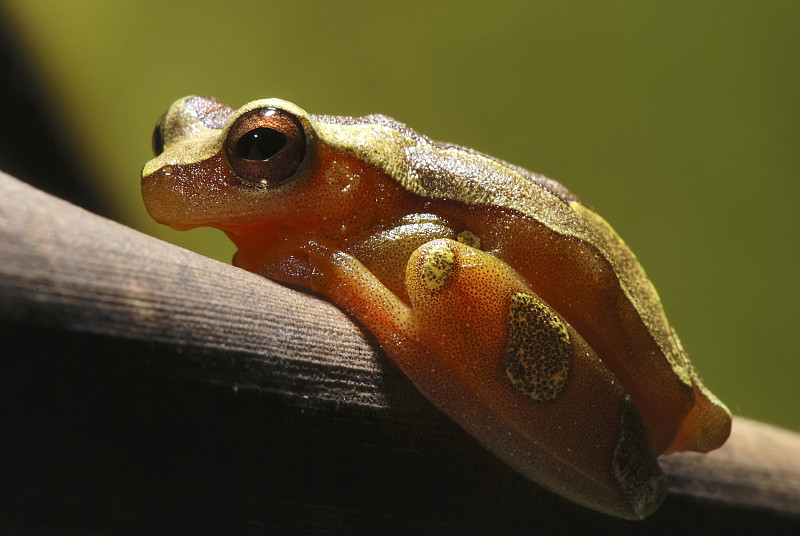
(215, 165)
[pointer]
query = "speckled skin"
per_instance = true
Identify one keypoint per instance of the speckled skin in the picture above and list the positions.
(512, 306)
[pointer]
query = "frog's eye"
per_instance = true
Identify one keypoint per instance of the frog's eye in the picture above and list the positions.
(266, 146)
(158, 136)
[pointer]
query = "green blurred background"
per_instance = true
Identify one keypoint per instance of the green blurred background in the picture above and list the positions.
(678, 121)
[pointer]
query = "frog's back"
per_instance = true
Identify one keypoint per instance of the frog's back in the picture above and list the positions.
(568, 254)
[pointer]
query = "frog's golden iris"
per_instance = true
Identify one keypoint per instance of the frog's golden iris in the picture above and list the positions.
(540, 334)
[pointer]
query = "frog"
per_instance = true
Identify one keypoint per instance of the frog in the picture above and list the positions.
(508, 302)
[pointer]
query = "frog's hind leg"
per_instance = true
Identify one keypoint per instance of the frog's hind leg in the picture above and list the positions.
(517, 376)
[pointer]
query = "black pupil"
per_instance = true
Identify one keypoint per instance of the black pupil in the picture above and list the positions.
(260, 144)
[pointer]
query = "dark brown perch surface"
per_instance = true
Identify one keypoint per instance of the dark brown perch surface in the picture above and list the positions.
(146, 389)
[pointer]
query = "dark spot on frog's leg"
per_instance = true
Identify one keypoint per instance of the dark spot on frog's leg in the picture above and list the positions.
(539, 352)
(634, 465)
(438, 266)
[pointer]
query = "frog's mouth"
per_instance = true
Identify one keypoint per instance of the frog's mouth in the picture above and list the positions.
(206, 194)
(184, 195)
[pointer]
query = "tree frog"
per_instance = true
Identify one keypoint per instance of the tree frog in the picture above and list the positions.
(509, 303)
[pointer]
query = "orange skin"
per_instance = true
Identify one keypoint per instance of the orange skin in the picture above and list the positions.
(511, 305)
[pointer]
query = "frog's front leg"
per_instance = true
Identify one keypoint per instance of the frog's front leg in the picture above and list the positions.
(489, 353)
(351, 285)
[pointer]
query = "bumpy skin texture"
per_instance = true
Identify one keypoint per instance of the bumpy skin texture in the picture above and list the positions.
(512, 306)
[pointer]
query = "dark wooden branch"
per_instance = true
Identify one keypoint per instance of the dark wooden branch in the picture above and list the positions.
(145, 388)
